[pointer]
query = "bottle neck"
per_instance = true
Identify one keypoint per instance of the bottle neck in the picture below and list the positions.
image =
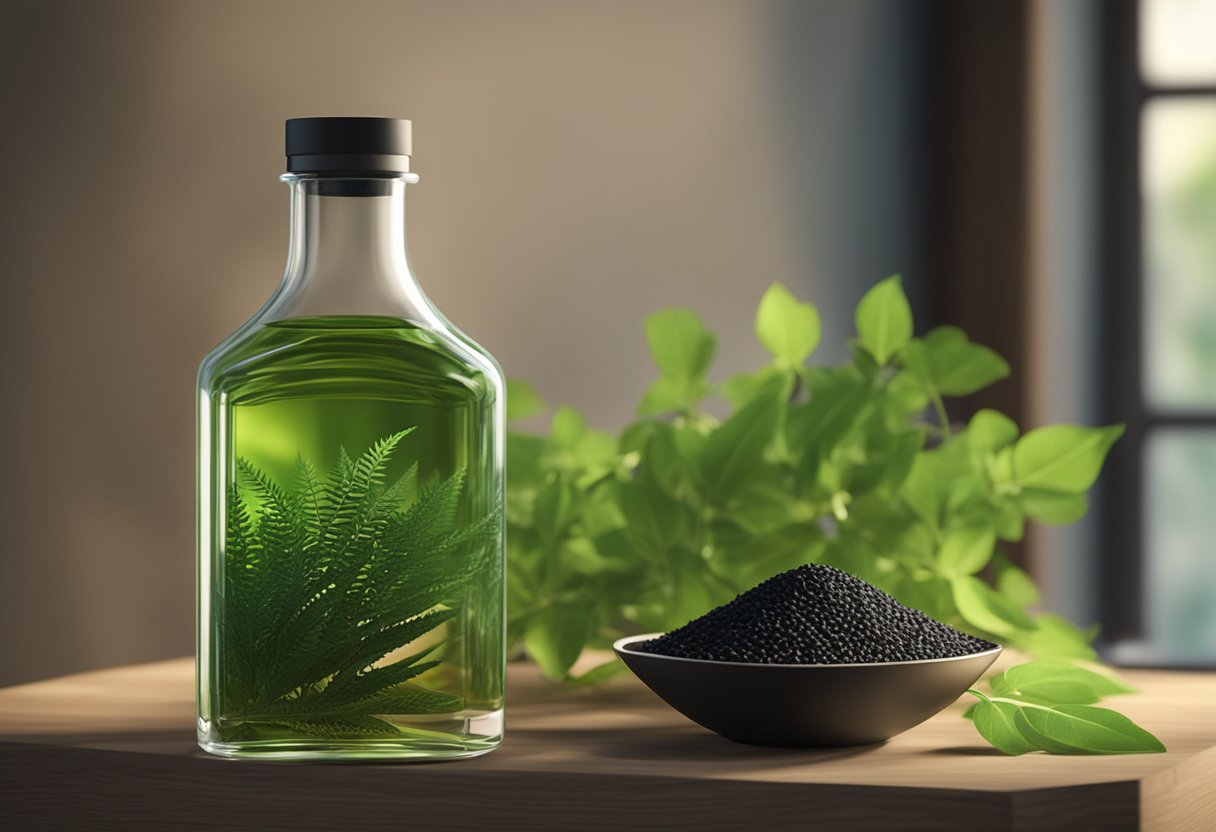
(348, 250)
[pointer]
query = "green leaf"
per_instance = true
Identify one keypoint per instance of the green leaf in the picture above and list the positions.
(771, 553)
(419, 701)
(567, 427)
(1084, 729)
(899, 456)
(1010, 524)
(1017, 726)
(836, 407)
(524, 459)
(936, 474)
(635, 436)
(662, 463)
(555, 638)
(999, 467)
(1057, 638)
(1015, 585)
(601, 673)
(691, 443)
(907, 396)
(332, 576)
(1064, 458)
(338, 727)
(788, 328)
(1055, 508)
(595, 453)
(884, 319)
(980, 606)
(965, 551)
(1041, 741)
(990, 431)
(680, 345)
(578, 555)
(522, 400)
(958, 367)
(651, 515)
(766, 504)
(692, 592)
(995, 721)
(930, 595)
(1056, 683)
(733, 452)
(554, 509)
(666, 395)
(662, 396)
(741, 388)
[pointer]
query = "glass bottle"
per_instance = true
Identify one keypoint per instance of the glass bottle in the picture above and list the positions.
(350, 489)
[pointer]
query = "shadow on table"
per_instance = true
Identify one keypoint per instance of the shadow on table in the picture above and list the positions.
(969, 751)
(694, 744)
(175, 741)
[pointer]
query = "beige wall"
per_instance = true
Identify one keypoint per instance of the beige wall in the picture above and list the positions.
(582, 164)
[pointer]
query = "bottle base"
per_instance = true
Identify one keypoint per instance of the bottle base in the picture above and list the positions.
(413, 745)
(354, 751)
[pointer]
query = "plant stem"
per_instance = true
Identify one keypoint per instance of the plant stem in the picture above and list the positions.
(1021, 703)
(943, 420)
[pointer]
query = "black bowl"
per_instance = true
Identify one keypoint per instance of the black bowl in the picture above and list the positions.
(807, 705)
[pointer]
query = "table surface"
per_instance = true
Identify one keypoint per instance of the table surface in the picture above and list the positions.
(115, 749)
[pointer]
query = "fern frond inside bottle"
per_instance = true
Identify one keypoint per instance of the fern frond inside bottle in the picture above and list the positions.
(350, 551)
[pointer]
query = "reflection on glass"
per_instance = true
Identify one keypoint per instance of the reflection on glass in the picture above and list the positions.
(1180, 534)
(1179, 192)
(1176, 38)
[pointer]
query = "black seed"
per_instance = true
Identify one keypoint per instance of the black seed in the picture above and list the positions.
(815, 615)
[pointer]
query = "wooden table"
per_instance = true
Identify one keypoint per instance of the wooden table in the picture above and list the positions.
(114, 749)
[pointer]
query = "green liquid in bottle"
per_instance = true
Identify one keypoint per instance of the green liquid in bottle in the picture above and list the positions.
(354, 485)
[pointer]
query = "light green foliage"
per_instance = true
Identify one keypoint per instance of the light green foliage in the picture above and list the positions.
(965, 551)
(1062, 458)
(522, 400)
(1049, 706)
(884, 320)
(984, 608)
(682, 349)
(946, 362)
(323, 580)
(996, 722)
(855, 465)
(555, 638)
(1057, 682)
(788, 328)
(733, 453)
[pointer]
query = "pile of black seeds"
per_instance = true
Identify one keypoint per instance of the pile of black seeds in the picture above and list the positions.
(815, 615)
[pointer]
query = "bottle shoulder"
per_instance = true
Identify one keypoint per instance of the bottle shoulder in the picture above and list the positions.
(219, 356)
(474, 352)
(358, 354)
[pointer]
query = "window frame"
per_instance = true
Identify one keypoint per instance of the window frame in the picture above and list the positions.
(1126, 94)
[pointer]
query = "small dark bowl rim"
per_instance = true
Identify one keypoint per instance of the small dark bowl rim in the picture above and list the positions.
(623, 645)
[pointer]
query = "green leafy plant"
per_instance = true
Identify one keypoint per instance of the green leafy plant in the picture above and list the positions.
(1049, 706)
(325, 578)
(856, 465)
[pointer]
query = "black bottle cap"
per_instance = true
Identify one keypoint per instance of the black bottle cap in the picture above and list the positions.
(348, 145)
